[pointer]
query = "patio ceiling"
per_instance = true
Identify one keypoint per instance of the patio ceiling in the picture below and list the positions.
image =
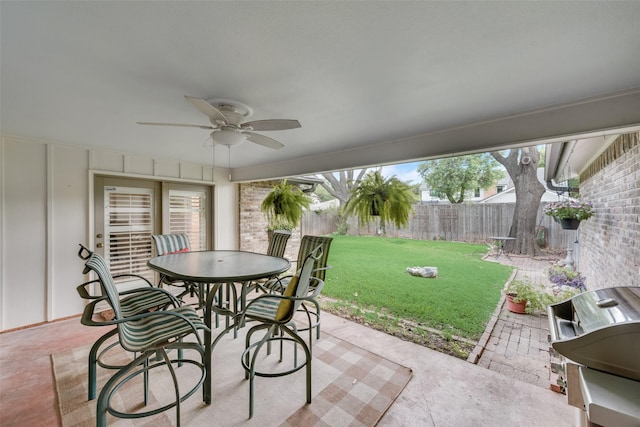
(371, 82)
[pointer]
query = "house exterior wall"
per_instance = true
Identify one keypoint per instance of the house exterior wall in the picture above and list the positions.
(253, 230)
(609, 241)
(46, 210)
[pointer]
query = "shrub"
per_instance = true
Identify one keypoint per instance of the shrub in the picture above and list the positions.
(566, 276)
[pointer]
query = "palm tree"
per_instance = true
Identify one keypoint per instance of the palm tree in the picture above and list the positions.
(390, 200)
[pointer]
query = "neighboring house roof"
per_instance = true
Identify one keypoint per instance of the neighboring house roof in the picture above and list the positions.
(509, 196)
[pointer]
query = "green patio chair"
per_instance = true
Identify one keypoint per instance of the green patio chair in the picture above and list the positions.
(148, 335)
(273, 314)
(278, 243)
(167, 244)
(277, 246)
(144, 299)
(320, 267)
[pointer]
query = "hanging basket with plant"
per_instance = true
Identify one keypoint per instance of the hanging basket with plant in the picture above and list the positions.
(389, 200)
(569, 209)
(569, 213)
(284, 206)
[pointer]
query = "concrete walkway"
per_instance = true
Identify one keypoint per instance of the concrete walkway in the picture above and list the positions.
(517, 344)
(446, 391)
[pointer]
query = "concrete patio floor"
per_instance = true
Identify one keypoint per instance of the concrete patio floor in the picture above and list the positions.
(446, 391)
(508, 386)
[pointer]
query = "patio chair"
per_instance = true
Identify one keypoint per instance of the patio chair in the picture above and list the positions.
(136, 301)
(274, 313)
(166, 244)
(277, 245)
(148, 334)
(320, 267)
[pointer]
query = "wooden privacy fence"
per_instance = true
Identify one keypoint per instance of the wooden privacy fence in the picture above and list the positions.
(473, 223)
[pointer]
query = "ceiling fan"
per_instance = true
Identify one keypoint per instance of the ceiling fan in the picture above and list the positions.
(228, 126)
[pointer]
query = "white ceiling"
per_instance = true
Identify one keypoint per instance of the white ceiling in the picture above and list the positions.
(371, 82)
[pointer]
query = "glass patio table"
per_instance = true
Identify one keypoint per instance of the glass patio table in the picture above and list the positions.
(218, 268)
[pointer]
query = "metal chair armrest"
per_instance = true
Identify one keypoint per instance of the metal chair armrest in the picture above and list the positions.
(134, 275)
(89, 312)
(317, 286)
(84, 293)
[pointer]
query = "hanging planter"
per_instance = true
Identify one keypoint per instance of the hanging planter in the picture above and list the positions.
(284, 206)
(569, 213)
(569, 223)
(387, 200)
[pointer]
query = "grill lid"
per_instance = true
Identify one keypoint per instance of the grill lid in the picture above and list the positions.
(600, 329)
(605, 307)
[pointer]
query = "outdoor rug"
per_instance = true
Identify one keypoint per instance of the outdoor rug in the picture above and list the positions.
(350, 387)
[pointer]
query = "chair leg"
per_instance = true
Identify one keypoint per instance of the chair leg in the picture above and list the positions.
(307, 353)
(93, 361)
(249, 360)
(175, 384)
(250, 375)
(102, 406)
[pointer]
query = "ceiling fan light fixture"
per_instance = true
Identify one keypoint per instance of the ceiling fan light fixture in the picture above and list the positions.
(228, 137)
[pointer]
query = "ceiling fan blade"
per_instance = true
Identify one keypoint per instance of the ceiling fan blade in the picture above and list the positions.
(176, 124)
(273, 124)
(265, 141)
(209, 110)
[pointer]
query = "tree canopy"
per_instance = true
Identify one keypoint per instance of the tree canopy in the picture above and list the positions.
(455, 177)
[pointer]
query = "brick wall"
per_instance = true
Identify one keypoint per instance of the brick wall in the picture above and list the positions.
(253, 224)
(610, 240)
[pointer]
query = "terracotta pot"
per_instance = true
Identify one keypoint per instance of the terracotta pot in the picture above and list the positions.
(516, 307)
(569, 223)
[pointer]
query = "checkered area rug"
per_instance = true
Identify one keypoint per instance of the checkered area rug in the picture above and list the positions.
(350, 386)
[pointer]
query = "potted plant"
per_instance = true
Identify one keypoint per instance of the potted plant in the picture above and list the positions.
(525, 297)
(389, 200)
(569, 212)
(284, 206)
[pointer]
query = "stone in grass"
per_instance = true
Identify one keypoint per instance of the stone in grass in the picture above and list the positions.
(423, 271)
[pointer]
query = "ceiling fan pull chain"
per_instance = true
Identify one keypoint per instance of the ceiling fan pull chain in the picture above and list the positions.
(229, 148)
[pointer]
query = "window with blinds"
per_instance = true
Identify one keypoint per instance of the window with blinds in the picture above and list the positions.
(187, 215)
(128, 228)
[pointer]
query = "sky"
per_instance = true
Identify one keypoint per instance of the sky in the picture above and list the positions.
(404, 172)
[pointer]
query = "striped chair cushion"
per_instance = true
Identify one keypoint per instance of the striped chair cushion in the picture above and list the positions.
(158, 329)
(308, 244)
(278, 243)
(263, 309)
(166, 244)
(99, 266)
(144, 300)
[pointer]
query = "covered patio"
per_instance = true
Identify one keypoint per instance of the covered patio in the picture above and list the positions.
(371, 83)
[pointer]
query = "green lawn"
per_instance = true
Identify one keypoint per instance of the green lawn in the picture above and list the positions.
(370, 273)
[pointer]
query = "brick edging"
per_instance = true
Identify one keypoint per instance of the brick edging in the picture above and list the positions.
(474, 356)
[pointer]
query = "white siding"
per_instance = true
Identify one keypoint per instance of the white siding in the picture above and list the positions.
(45, 200)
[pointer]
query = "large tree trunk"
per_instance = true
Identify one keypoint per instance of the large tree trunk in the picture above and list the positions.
(529, 191)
